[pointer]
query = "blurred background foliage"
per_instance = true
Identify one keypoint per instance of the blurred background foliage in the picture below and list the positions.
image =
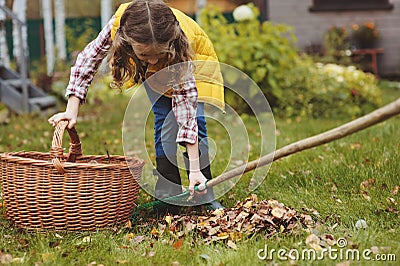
(294, 84)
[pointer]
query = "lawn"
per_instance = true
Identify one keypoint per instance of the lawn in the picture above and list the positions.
(339, 183)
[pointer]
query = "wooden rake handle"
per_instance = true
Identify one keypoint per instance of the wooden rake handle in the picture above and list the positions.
(375, 117)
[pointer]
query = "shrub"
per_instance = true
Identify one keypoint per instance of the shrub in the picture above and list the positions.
(365, 35)
(337, 46)
(292, 83)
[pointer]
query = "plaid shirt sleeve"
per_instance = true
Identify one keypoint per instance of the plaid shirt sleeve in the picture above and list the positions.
(87, 63)
(184, 106)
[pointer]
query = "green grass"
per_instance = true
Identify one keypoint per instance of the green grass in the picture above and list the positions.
(325, 178)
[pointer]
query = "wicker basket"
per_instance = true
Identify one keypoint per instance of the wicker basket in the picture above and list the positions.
(68, 191)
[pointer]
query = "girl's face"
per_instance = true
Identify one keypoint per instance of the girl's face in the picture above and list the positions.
(151, 54)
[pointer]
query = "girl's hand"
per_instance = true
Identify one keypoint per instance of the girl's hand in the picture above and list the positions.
(196, 178)
(63, 116)
(70, 114)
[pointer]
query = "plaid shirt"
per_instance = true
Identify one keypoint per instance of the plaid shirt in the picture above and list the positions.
(184, 96)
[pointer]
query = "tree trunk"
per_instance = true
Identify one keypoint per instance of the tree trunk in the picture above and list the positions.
(106, 11)
(48, 36)
(5, 58)
(200, 4)
(59, 9)
(19, 8)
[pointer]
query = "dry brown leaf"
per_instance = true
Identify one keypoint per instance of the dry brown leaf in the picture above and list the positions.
(247, 217)
(222, 236)
(129, 236)
(178, 244)
(168, 219)
(248, 204)
(313, 241)
(235, 236)
(154, 232)
(395, 191)
(218, 212)
(232, 245)
(278, 212)
(328, 240)
(5, 258)
(47, 257)
(213, 230)
(137, 240)
(366, 195)
(392, 201)
(367, 183)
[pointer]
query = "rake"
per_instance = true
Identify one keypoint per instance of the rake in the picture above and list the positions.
(375, 117)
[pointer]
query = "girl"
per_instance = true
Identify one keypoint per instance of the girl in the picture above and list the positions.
(143, 37)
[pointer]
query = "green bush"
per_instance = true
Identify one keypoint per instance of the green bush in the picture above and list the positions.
(329, 90)
(337, 46)
(293, 84)
(79, 33)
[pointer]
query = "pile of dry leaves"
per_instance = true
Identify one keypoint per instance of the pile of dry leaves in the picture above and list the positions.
(245, 218)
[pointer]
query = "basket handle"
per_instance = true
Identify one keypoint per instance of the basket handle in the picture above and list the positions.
(56, 151)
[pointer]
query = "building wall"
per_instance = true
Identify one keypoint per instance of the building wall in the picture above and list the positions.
(189, 6)
(310, 26)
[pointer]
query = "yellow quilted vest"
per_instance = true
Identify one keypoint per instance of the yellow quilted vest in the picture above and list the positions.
(208, 75)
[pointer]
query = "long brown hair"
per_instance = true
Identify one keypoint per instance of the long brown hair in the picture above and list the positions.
(149, 22)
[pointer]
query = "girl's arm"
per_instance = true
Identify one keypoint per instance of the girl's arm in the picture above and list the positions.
(195, 175)
(82, 74)
(184, 106)
(87, 63)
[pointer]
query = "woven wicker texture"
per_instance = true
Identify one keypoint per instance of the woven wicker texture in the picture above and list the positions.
(68, 191)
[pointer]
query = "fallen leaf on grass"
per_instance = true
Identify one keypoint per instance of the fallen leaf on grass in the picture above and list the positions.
(395, 191)
(391, 200)
(328, 240)
(366, 195)
(178, 244)
(87, 239)
(367, 183)
(313, 241)
(137, 240)
(18, 260)
(374, 249)
(355, 146)
(246, 218)
(232, 245)
(5, 258)
(154, 232)
(205, 256)
(130, 236)
(213, 230)
(168, 219)
(47, 257)
(392, 210)
(222, 236)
